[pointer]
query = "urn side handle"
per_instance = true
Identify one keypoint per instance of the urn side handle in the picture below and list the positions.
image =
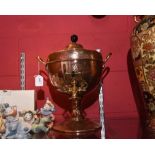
(41, 60)
(106, 59)
(105, 69)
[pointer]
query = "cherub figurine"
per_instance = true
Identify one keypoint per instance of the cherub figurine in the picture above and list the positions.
(17, 127)
(44, 119)
(48, 110)
(28, 117)
(40, 124)
(3, 107)
(25, 125)
(11, 122)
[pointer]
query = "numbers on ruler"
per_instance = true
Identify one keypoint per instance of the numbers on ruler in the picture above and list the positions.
(22, 70)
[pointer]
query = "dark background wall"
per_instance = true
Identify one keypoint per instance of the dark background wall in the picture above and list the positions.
(42, 35)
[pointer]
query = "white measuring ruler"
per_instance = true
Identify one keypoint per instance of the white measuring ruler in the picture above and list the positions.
(22, 70)
(101, 109)
(101, 106)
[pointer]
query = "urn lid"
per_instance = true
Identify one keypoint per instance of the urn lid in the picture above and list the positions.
(73, 44)
(74, 51)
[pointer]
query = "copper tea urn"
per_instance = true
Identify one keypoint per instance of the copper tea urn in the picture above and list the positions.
(75, 71)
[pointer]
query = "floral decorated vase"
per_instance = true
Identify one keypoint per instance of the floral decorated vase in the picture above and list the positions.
(143, 54)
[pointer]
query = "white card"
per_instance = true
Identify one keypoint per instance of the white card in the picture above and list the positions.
(39, 81)
(23, 99)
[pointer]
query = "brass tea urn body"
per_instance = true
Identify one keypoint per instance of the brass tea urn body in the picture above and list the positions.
(75, 71)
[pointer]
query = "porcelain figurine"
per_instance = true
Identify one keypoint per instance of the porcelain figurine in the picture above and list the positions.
(44, 120)
(25, 125)
(28, 117)
(23, 132)
(11, 122)
(3, 107)
(39, 125)
(48, 109)
(15, 127)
